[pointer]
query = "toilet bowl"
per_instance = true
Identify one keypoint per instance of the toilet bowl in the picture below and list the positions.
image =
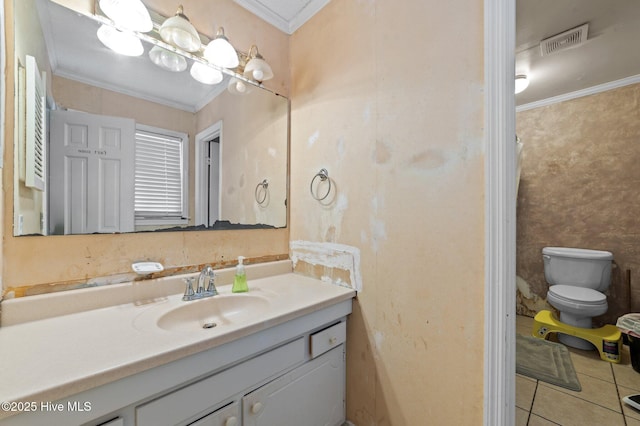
(577, 279)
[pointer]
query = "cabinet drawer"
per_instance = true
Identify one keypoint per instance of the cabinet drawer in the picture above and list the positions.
(328, 338)
(198, 397)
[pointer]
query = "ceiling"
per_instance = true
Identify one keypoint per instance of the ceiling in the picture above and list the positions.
(609, 54)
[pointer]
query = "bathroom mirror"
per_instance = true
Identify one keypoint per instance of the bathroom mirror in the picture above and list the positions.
(228, 151)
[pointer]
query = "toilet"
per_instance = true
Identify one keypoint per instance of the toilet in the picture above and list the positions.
(577, 281)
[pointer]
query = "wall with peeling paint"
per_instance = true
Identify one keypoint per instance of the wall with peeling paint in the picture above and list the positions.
(579, 188)
(396, 117)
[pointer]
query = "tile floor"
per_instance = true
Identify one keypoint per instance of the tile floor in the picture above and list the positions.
(599, 403)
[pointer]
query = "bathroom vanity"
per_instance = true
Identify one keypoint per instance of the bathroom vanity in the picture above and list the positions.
(158, 361)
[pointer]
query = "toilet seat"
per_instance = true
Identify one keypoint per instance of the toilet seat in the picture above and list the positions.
(581, 300)
(570, 293)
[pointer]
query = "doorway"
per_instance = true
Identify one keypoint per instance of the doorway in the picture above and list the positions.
(207, 179)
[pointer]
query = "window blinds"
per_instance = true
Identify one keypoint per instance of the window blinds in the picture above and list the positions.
(158, 175)
(35, 125)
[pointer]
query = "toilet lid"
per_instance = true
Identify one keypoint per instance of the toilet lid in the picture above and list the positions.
(578, 294)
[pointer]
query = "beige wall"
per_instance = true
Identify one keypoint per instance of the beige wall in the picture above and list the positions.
(393, 108)
(43, 264)
(579, 188)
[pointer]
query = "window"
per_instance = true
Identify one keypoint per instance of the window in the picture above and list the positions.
(161, 176)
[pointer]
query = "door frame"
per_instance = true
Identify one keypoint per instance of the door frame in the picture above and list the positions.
(201, 179)
(500, 212)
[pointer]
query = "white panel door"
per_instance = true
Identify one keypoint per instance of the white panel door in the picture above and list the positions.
(91, 173)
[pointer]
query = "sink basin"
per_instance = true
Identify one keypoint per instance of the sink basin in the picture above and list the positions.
(213, 312)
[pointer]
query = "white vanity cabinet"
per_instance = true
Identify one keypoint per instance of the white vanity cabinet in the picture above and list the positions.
(282, 367)
(288, 374)
(311, 394)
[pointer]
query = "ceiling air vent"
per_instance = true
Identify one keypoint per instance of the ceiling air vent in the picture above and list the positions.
(566, 40)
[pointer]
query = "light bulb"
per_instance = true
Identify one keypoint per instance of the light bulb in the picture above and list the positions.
(241, 87)
(258, 69)
(521, 83)
(258, 75)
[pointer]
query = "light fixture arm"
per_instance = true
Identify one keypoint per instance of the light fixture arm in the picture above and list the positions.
(252, 55)
(220, 34)
(180, 13)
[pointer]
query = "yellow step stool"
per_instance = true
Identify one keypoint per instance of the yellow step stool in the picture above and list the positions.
(607, 339)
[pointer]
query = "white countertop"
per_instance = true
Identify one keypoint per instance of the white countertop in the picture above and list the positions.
(54, 358)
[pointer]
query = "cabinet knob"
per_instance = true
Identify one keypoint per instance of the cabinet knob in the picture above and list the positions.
(231, 421)
(333, 340)
(256, 407)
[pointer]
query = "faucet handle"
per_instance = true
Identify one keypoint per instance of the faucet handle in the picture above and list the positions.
(188, 291)
(210, 277)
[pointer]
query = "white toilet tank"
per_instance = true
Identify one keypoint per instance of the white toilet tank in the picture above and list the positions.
(577, 267)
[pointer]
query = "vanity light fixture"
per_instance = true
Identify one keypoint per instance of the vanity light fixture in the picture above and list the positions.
(522, 82)
(179, 32)
(208, 64)
(205, 74)
(120, 41)
(257, 68)
(220, 52)
(130, 15)
(167, 60)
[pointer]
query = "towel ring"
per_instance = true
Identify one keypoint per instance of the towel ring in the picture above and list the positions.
(264, 185)
(323, 174)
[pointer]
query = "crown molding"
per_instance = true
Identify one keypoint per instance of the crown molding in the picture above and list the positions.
(580, 93)
(287, 26)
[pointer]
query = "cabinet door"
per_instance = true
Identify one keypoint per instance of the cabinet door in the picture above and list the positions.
(311, 395)
(228, 415)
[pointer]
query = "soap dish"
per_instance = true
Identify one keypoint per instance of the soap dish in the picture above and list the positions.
(146, 268)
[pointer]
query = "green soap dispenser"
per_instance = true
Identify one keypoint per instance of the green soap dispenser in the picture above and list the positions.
(240, 280)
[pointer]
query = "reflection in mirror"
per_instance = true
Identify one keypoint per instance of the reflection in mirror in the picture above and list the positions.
(125, 146)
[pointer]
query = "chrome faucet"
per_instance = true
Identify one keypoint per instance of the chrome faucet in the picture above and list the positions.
(206, 285)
